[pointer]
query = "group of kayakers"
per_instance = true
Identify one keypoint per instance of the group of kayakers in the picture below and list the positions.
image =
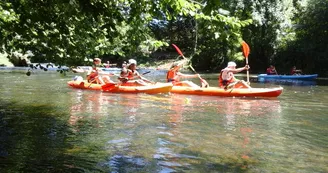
(129, 76)
(272, 71)
(226, 77)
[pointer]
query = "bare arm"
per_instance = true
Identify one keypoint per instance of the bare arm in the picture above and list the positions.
(142, 78)
(188, 75)
(237, 70)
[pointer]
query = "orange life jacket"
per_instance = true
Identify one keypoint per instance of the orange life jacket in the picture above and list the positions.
(171, 75)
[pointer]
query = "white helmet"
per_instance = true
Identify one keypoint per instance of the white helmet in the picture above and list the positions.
(231, 64)
(132, 61)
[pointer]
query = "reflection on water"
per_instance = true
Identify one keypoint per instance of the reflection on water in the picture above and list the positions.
(60, 129)
(288, 81)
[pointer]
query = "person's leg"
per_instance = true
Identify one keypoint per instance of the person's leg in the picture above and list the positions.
(189, 84)
(99, 80)
(141, 82)
(231, 85)
(107, 79)
(134, 83)
(238, 84)
(242, 84)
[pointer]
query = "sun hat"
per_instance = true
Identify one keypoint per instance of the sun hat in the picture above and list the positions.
(174, 65)
(96, 59)
(132, 61)
(231, 64)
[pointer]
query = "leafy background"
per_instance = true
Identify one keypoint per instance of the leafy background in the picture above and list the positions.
(69, 32)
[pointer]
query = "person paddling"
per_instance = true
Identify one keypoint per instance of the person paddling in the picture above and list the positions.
(295, 71)
(173, 75)
(227, 78)
(93, 74)
(271, 70)
(129, 73)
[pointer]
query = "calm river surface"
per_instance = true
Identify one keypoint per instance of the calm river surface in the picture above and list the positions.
(45, 126)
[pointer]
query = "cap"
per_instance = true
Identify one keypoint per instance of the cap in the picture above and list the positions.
(231, 64)
(96, 59)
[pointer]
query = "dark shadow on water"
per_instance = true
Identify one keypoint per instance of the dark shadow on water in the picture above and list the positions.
(34, 139)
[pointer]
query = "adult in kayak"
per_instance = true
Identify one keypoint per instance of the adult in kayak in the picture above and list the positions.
(129, 74)
(93, 75)
(271, 70)
(173, 75)
(227, 78)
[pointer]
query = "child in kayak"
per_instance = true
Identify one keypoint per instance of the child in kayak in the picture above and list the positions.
(93, 74)
(173, 75)
(227, 78)
(129, 73)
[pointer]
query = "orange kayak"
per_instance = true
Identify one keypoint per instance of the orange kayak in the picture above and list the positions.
(234, 92)
(149, 89)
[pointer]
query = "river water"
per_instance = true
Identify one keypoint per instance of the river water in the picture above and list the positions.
(45, 126)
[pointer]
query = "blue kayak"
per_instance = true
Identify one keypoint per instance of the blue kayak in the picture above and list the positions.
(294, 77)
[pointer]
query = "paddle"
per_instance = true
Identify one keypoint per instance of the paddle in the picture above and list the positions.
(120, 76)
(110, 86)
(146, 72)
(125, 79)
(91, 82)
(246, 50)
(204, 82)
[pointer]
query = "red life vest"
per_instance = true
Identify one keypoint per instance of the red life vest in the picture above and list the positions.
(93, 74)
(270, 71)
(126, 74)
(130, 74)
(293, 71)
(225, 82)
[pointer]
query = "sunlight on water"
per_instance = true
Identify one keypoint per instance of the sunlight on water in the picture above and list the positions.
(102, 132)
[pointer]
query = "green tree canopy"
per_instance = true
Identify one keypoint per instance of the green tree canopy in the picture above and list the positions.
(309, 49)
(67, 32)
